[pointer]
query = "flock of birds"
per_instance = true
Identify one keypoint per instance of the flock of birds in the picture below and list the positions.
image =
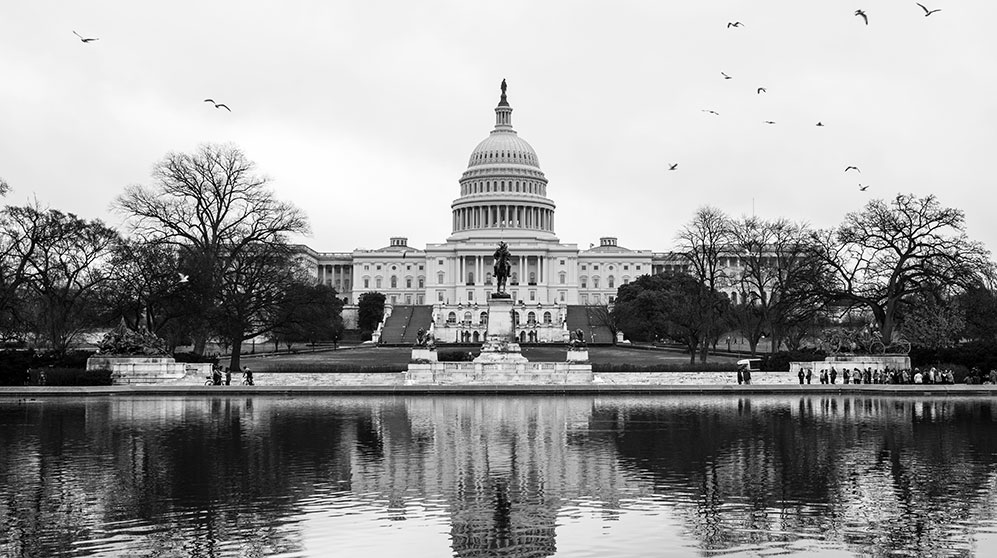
(86, 40)
(672, 166)
(760, 90)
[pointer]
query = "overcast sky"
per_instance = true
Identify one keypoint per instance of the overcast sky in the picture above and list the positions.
(364, 113)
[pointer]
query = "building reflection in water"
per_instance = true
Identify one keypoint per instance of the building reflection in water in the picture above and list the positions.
(236, 476)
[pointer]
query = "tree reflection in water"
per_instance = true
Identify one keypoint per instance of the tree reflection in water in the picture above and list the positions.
(236, 477)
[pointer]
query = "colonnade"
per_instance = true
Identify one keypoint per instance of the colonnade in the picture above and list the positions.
(509, 216)
(482, 265)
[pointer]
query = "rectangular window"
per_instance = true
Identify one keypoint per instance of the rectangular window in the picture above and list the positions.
(366, 267)
(379, 267)
(626, 267)
(408, 299)
(638, 267)
(439, 296)
(562, 262)
(595, 267)
(408, 268)
(533, 296)
(439, 262)
(562, 295)
(420, 267)
(470, 296)
(583, 267)
(366, 283)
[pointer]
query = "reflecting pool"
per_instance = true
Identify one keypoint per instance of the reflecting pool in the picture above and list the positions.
(515, 476)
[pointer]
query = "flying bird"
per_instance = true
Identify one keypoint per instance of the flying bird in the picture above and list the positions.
(673, 166)
(218, 105)
(927, 12)
(762, 90)
(725, 76)
(735, 24)
(769, 122)
(863, 188)
(820, 123)
(864, 17)
(712, 112)
(85, 40)
(849, 167)
(183, 278)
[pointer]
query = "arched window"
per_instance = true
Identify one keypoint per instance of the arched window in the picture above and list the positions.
(514, 278)
(483, 318)
(595, 282)
(439, 278)
(612, 282)
(451, 318)
(377, 282)
(467, 317)
(408, 282)
(477, 337)
(562, 277)
(583, 281)
(547, 317)
(533, 277)
(394, 282)
(515, 318)
(522, 337)
(422, 282)
(470, 277)
(531, 318)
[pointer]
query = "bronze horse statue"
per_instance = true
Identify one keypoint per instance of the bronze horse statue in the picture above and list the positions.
(502, 267)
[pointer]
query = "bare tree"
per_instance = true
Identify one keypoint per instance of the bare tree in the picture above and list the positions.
(885, 256)
(65, 271)
(21, 229)
(214, 207)
(703, 242)
(779, 266)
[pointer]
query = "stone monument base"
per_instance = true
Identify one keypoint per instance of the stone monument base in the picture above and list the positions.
(146, 370)
(840, 362)
(423, 354)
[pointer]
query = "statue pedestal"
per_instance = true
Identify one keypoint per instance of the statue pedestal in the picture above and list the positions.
(580, 354)
(423, 354)
(500, 345)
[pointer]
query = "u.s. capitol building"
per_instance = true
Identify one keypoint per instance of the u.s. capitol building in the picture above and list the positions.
(503, 197)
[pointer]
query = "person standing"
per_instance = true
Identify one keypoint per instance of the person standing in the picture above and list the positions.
(228, 376)
(802, 375)
(810, 374)
(247, 375)
(845, 376)
(834, 374)
(747, 376)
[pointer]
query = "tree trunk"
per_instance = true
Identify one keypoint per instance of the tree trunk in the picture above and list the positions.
(200, 343)
(234, 364)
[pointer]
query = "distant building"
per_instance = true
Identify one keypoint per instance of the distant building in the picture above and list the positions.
(502, 197)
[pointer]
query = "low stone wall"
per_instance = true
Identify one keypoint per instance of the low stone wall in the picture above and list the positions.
(147, 370)
(512, 373)
(840, 362)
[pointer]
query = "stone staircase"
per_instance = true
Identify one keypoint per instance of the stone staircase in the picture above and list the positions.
(586, 319)
(402, 326)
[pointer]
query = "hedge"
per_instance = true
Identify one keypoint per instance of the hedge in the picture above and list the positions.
(68, 377)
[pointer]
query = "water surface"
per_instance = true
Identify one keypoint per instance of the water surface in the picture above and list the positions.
(498, 476)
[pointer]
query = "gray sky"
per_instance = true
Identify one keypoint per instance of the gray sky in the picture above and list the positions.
(364, 113)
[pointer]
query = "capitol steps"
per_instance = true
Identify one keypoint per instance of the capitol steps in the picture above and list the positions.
(586, 318)
(402, 326)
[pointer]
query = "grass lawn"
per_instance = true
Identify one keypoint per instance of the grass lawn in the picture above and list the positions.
(400, 356)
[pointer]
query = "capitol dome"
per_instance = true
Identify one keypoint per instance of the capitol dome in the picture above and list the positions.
(503, 192)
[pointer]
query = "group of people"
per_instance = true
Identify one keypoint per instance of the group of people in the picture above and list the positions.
(894, 376)
(218, 371)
